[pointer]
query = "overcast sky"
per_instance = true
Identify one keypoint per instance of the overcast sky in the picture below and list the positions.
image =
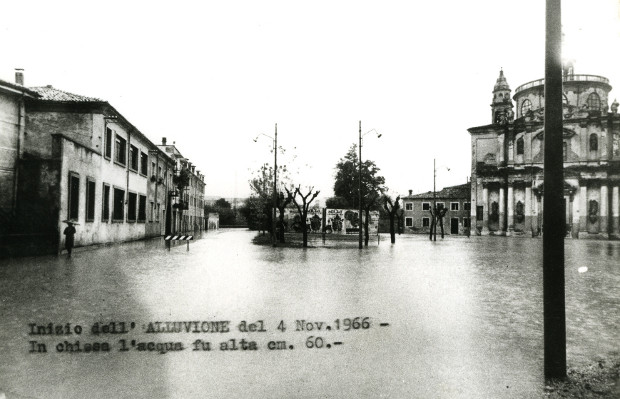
(211, 75)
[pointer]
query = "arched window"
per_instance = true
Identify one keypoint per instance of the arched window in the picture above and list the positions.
(593, 142)
(594, 102)
(520, 146)
(526, 105)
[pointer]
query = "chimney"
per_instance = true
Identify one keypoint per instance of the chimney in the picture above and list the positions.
(163, 141)
(410, 192)
(19, 76)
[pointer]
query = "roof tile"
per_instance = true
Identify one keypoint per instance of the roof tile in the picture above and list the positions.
(48, 93)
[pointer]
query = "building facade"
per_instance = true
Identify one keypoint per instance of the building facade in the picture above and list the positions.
(417, 207)
(79, 159)
(507, 187)
(186, 204)
(12, 123)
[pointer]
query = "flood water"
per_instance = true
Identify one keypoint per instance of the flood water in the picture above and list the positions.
(462, 318)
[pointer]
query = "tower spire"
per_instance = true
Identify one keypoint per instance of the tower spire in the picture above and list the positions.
(502, 103)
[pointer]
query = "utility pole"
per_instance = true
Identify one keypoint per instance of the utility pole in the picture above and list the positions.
(275, 185)
(434, 222)
(553, 215)
(360, 185)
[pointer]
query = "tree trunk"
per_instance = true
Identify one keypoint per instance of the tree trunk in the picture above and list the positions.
(366, 228)
(441, 225)
(304, 229)
(392, 232)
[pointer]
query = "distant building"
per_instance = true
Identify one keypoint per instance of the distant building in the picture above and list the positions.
(79, 159)
(507, 160)
(187, 207)
(417, 207)
(213, 221)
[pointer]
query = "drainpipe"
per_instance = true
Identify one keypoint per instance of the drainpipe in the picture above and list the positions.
(127, 160)
(18, 154)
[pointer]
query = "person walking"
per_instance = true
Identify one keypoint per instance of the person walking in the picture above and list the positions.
(69, 239)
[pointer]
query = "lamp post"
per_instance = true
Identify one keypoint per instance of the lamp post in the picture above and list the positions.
(360, 177)
(275, 180)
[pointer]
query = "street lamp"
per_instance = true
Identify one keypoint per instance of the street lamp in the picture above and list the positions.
(360, 177)
(275, 179)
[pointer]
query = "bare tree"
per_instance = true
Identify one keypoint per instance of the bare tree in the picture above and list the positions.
(281, 206)
(391, 210)
(302, 208)
(437, 218)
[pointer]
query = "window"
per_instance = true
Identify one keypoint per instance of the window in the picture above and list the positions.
(74, 196)
(157, 213)
(467, 206)
(466, 223)
(426, 206)
(133, 158)
(408, 222)
(141, 208)
(90, 200)
(108, 143)
(159, 172)
(593, 142)
(152, 211)
(144, 164)
(454, 206)
(526, 105)
(520, 146)
(408, 206)
(479, 212)
(594, 102)
(153, 170)
(105, 212)
(131, 207)
(426, 222)
(440, 206)
(564, 150)
(120, 150)
(119, 205)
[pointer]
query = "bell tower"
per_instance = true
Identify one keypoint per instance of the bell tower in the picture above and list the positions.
(502, 103)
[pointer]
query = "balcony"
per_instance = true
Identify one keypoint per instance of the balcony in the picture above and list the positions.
(566, 78)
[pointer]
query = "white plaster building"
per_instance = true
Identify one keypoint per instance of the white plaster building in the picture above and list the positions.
(507, 160)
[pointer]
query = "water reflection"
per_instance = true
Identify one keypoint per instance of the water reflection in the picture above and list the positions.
(465, 317)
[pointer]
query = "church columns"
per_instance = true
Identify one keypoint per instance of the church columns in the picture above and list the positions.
(529, 209)
(502, 211)
(604, 226)
(583, 207)
(615, 211)
(511, 200)
(575, 213)
(485, 211)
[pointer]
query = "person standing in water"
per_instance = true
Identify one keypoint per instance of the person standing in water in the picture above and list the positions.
(69, 239)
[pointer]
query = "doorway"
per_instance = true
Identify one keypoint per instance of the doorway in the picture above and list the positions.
(454, 226)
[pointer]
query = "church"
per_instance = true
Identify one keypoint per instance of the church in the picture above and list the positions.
(507, 185)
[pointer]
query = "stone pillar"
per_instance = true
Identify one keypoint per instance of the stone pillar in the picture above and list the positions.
(576, 211)
(528, 209)
(615, 212)
(511, 218)
(583, 207)
(502, 211)
(485, 211)
(604, 226)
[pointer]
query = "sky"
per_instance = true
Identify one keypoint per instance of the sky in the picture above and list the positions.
(212, 75)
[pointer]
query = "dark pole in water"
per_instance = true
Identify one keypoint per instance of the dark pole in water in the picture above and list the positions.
(553, 214)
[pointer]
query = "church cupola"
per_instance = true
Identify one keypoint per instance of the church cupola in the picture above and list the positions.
(502, 103)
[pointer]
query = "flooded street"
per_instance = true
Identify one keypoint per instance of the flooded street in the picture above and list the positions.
(462, 318)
